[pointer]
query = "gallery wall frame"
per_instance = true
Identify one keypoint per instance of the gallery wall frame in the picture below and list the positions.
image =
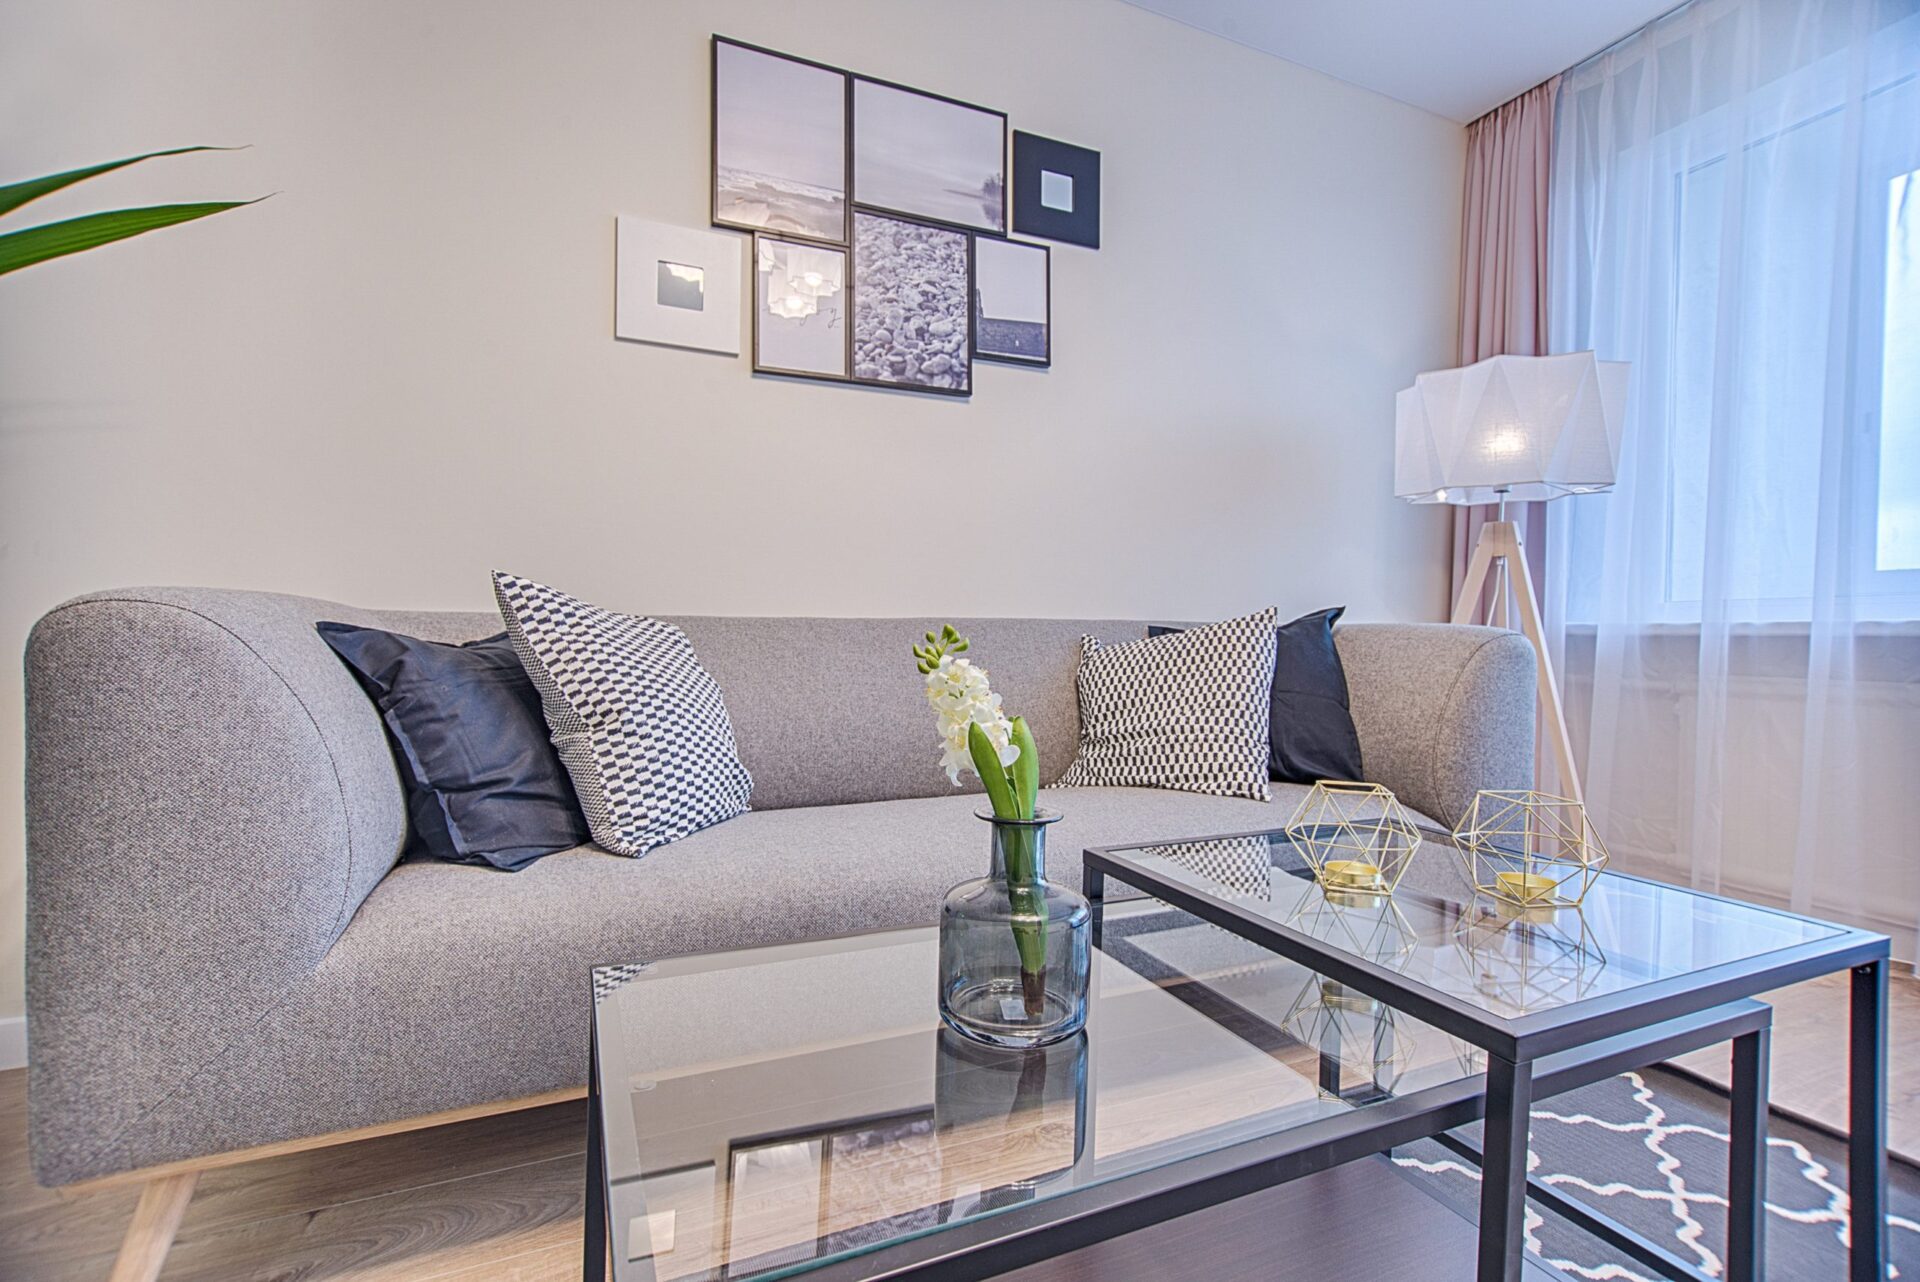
(803, 154)
(892, 188)
(931, 349)
(803, 212)
(1012, 337)
(834, 361)
(676, 286)
(1056, 190)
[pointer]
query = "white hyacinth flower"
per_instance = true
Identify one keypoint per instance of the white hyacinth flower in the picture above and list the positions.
(961, 696)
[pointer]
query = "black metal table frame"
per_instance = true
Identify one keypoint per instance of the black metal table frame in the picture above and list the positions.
(1516, 1047)
(1032, 1232)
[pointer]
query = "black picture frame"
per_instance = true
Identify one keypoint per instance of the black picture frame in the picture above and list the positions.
(859, 289)
(979, 318)
(714, 107)
(1034, 156)
(755, 298)
(940, 206)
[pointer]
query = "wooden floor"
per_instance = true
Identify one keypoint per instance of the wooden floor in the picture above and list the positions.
(499, 1199)
(1810, 1055)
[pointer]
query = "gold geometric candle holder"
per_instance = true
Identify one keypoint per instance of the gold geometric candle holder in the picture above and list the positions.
(1530, 849)
(1355, 837)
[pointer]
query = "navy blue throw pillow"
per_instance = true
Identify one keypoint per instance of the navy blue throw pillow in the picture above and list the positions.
(1310, 734)
(484, 785)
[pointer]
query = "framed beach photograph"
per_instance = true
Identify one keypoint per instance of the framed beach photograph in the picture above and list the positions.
(799, 309)
(912, 305)
(779, 143)
(929, 157)
(1012, 301)
(677, 286)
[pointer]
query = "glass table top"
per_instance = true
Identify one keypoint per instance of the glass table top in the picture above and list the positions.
(772, 1110)
(1505, 962)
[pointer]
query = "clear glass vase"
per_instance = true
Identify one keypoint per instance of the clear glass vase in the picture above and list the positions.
(1015, 949)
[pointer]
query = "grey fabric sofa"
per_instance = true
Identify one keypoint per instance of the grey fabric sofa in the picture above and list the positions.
(222, 952)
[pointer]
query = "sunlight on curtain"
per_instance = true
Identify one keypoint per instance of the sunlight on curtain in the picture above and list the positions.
(1735, 209)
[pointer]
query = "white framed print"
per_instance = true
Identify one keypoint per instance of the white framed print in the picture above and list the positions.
(677, 286)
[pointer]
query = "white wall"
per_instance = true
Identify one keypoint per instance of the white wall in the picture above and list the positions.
(399, 373)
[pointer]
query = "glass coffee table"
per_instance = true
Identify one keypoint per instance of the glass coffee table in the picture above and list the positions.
(1522, 986)
(796, 1110)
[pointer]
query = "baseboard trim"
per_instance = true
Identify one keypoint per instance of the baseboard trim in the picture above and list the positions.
(13, 1042)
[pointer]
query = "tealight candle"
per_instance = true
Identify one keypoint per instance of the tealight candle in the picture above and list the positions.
(1351, 872)
(1527, 887)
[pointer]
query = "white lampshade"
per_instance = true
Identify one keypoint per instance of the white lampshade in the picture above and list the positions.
(1515, 427)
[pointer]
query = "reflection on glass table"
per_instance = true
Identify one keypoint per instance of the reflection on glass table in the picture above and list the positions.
(1505, 962)
(771, 1111)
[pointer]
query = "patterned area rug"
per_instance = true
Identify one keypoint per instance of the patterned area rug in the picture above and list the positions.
(1649, 1150)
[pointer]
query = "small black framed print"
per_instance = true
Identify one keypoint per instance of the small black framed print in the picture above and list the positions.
(1056, 190)
(1012, 301)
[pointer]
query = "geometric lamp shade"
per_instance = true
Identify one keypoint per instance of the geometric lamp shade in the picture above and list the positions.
(1517, 427)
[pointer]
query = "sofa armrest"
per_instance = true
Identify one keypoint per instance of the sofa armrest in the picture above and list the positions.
(1442, 710)
(209, 799)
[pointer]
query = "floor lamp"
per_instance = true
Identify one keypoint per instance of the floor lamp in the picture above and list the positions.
(1519, 429)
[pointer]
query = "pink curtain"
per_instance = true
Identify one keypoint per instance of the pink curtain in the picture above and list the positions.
(1503, 276)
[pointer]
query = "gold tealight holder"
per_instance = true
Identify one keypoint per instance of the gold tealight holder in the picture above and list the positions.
(1530, 850)
(1355, 837)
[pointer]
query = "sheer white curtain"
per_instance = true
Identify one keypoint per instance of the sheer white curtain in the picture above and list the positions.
(1735, 209)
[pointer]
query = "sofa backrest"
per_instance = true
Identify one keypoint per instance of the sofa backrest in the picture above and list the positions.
(830, 711)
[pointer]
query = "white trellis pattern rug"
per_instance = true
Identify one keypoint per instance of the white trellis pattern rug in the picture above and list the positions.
(1650, 1151)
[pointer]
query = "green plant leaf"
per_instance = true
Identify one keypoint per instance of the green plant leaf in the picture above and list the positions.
(14, 195)
(52, 240)
(986, 764)
(1026, 769)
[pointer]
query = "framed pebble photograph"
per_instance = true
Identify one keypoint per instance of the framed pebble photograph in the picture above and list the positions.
(779, 143)
(929, 157)
(1012, 301)
(912, 305)
(800, 299)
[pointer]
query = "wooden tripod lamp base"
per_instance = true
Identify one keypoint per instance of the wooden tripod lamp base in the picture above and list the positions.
(1500, 547)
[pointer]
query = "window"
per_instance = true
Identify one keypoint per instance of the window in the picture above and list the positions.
(1897, 545)
(1776, 412)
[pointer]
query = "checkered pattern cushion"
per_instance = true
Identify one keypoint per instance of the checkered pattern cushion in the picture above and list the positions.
(638, 723)
(1186, 711)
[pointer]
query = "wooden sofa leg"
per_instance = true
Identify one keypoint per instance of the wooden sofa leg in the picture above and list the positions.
(150, 1234)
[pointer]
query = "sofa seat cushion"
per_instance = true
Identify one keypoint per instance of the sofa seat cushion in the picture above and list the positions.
(764, 877)
(455, 986)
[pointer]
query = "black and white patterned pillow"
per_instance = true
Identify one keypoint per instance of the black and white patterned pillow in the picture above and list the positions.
(637, 721)
(1186, 711)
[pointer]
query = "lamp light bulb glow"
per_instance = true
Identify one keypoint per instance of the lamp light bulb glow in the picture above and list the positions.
(1505, 443)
